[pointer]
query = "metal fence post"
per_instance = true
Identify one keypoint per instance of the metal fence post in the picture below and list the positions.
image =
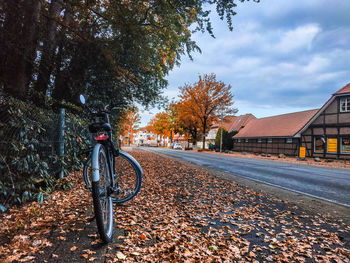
(61, 126)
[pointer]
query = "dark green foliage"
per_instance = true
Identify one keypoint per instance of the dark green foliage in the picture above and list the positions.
(29, 160)
(112, 50)
(227, 141)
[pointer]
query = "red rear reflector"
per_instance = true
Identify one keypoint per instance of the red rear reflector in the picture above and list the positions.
(101, 137)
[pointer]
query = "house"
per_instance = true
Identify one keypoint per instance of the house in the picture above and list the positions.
(327, 134)
(230, 123)
(324, 132)
(183, 140)
(145, 138)
(274, 135)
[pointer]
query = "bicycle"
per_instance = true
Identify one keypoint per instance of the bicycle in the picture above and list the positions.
(100, 176)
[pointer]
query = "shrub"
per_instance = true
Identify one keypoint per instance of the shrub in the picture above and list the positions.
(29, 160)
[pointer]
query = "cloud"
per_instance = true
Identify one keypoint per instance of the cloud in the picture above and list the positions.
(300, 37)
(283, 56)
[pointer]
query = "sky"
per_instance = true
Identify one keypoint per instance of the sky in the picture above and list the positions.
(282, 56)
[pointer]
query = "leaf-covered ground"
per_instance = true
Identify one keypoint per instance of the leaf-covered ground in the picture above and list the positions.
(182, 214)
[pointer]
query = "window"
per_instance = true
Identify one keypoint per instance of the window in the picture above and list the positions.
(332, 145)
(269, 140)
(345, 145)
(345, 104)
(246, 140)
(289, 140)
(259, 140)
(238, 140)
(320, 143)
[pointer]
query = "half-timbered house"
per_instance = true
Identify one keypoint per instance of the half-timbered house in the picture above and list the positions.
(324, 132)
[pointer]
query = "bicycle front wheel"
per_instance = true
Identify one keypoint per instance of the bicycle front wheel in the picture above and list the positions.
(128, 177)
(101, 183)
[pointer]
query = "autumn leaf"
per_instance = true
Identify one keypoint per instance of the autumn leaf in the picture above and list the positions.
(213, 247)
(121, 256)
(89, 252)
(73, 248)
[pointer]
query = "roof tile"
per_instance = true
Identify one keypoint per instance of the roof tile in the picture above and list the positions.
(285, 125)
(345, 89)
(234, 123)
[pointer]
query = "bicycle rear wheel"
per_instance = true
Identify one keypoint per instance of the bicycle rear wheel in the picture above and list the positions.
(101, 182)
(87, 173)
(128, 177)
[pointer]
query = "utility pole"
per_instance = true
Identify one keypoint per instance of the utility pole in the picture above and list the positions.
(222, 116)
(61, 123)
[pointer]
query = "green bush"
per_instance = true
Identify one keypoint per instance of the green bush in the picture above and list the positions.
(29, 160)
(227, 141)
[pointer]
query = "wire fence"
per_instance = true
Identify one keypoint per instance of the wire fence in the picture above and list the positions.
(37, 146)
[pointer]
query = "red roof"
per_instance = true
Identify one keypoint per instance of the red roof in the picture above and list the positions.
(234, 123)
(240, 122)
(345, 89)
(285, 125)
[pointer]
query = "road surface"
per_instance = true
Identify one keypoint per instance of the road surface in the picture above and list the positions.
(329, 184)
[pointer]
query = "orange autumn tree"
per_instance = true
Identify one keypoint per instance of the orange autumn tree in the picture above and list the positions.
(165, 123)
(159, 124)
(189, 124)
(130, 123)
(205, 100)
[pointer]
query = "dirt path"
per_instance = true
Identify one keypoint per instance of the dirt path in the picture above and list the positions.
(182, 214)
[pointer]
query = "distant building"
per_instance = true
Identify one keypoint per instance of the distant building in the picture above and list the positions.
(323, 132)
(145, 138)
(230, 123)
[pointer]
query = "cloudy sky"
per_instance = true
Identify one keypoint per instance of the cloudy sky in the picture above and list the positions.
(282, 56)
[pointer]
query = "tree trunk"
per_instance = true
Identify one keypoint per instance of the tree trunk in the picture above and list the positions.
(10, 50)
(60, 74)
(49, 47)
(19, 40)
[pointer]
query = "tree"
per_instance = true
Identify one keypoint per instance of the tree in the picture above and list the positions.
(111, 50)
(205, 101)
(165, 123)
(227, 140)
(160, 124)
(188, 123)
(130, 123)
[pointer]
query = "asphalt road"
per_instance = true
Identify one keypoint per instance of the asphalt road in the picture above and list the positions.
(328, 184)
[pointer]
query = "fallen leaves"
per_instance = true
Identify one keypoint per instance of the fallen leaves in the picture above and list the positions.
(182, 214)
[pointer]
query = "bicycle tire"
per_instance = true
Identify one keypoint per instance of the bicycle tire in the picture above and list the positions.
(102, 201)
(87, 173)
(128, 179)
